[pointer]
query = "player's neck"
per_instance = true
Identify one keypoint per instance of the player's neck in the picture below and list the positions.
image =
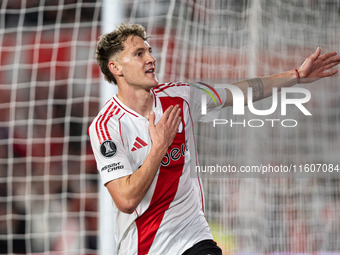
(140, 101)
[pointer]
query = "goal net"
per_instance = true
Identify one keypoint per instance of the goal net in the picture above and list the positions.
(50, 92)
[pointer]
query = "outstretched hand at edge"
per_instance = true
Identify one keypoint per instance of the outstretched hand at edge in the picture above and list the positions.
(318, 66)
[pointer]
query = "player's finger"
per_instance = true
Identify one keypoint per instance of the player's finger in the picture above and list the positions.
(316, 54)
(177, 118)
(174, 128)
(178, 122)
(174, 113)
(334, 59)
(331, 65)
(151, 120)
(330, 73)
(328, 56)
(171, 112)
(167, 113)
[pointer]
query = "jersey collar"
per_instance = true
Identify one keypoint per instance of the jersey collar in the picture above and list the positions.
(155, 107)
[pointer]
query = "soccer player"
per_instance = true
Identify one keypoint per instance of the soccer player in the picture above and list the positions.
(143, 142)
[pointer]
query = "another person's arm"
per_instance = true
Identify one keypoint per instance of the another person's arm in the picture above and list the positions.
(313, 68)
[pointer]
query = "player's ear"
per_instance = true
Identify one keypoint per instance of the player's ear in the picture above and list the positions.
(115, 68)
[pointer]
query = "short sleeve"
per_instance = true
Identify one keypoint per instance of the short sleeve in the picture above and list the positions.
(206, 101)
(109, 152)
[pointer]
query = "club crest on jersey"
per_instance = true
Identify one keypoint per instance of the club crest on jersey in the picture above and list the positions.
(108, 148)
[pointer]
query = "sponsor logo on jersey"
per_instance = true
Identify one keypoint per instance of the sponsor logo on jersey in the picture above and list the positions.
(139, 143)
(174, 154)
(112, 167)
(108, 149)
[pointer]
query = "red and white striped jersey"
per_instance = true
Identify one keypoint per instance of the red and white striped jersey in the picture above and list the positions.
(170, 218)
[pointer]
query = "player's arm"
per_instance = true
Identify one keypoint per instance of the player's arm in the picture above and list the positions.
(127, 192)
(313, 68)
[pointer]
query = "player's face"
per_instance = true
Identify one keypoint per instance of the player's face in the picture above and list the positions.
(136, 63)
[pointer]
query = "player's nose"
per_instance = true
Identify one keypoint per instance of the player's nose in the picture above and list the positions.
(150, 58)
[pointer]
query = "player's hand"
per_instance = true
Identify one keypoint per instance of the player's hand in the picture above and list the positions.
(318, 66)
(163, 134)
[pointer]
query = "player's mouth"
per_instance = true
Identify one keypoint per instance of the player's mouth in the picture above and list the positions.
(150, 71)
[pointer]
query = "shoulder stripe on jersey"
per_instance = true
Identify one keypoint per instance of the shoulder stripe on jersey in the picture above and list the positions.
(97, 129)
(120, 128)
(124, 108)
(169, 85)
(163, 87)
(108, 137)
(99, 124)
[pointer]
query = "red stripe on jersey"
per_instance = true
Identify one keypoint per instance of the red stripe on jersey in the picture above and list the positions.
(141, 141)
(114, 108)
(159, 86)
(100, 132)
(97, 130)
(124, 108)
(165, 86)
(169, 85)
(120, 128)
(99, 125)
(137, 145)
(165, 190)
(108, 137)
(107, 118)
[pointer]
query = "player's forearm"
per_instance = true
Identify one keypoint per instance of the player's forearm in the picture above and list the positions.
(263, 87)
(139, 182)
(128, 191)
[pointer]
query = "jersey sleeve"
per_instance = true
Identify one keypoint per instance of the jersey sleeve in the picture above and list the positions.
(206, 101)
(109, 150)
